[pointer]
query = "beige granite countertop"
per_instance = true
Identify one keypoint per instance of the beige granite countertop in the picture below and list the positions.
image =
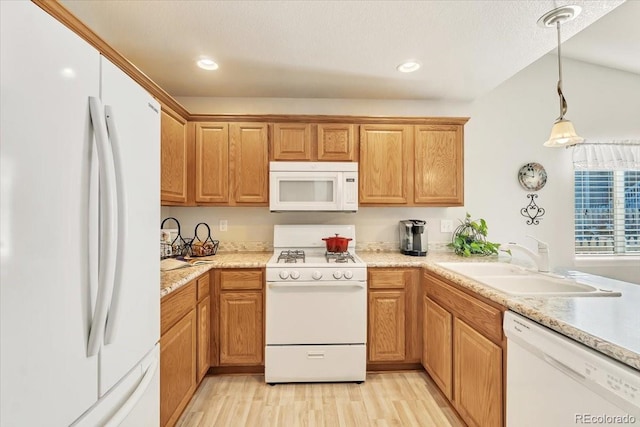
(610, 325)
(174, 279)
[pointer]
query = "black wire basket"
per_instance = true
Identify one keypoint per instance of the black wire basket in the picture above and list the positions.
(176, 246)
(206, 247)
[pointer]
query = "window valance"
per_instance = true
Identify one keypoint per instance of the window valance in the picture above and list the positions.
(609, 155)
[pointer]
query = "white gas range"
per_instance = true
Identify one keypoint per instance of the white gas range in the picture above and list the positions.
(316, 307)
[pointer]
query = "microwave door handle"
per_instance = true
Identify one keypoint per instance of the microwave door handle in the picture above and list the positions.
(340, 190)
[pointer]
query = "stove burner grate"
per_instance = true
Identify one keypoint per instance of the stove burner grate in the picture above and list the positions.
(291, 256)
(339, 257)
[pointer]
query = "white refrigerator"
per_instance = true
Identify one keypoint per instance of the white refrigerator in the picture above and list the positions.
(79, 215)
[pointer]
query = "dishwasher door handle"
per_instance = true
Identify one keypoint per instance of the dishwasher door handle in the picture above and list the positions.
(564, 368)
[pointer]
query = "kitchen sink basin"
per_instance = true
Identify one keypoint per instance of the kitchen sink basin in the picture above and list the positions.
(542, 285)
(473, 269)
(518, 281)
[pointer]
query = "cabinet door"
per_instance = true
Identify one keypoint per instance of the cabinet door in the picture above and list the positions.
(249, 162)
(241, 328)
(386, 341)
(386, 169)
(177, 368)
(173, 158)
(478, 377)
(291, 141)
(439, 165)
(212, 162)
(336, 142)
(437, 345)
(204, 333)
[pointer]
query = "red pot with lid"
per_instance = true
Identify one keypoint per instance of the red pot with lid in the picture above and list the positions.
(337, 243)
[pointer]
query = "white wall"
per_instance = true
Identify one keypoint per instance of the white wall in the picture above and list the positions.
(506, 130)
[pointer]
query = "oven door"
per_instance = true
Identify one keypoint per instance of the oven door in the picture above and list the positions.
(316, 313)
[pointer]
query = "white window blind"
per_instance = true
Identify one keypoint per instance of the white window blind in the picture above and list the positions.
(607, 199)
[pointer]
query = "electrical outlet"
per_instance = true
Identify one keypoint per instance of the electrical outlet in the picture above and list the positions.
(446, 226)
(223, 225)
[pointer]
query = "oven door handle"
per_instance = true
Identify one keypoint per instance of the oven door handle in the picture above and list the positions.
(317, 285)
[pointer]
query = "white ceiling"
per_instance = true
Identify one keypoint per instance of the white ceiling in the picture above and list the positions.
(349, 49)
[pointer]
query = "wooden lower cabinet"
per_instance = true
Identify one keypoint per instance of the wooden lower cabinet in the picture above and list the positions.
(177, 368)
(437, 345)
(184, 346)
(478, 377)
(204, 334)
(241, 328)
(463, 351)
(386, 326)
(238, 329)
(394, 329)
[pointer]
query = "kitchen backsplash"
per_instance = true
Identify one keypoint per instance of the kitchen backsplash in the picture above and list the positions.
(393, 247)
(360, 247)
(251, 228)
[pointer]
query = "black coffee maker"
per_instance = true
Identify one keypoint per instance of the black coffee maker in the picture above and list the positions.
(413, 237)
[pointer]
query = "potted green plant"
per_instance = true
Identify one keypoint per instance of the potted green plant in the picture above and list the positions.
(470, 238)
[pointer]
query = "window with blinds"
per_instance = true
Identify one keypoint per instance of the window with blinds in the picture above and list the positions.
(607, 212)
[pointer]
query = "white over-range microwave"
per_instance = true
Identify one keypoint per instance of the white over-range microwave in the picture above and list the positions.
(313, 186)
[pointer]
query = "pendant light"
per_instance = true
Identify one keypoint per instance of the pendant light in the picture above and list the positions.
(563, 133)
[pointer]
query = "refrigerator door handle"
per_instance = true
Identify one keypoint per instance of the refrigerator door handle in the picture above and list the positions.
(114, 305)
(108, 221)
(131, 402)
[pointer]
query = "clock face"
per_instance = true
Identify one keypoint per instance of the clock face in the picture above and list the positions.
(532, 176)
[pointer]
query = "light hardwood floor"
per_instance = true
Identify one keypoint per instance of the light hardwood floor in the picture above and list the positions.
(384, 399)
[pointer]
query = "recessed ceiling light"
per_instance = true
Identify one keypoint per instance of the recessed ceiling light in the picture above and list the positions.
(207, 64)
(408, 67)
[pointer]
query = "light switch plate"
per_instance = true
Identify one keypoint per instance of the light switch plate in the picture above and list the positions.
(223, 225)
(446, 226)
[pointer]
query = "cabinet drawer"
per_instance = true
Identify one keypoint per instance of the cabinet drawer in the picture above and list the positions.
(203, 286)
(241, 279)
(484, 318)
(175, 305)
(393, 278)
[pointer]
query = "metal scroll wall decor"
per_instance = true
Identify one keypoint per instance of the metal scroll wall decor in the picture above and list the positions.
(532, 177)
(532, 211)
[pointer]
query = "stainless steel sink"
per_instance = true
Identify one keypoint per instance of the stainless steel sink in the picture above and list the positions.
(518, 281)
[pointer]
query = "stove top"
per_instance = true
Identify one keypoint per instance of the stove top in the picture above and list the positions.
(300, 255)
(310, 257)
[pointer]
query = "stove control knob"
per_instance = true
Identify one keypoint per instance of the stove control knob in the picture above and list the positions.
(295, 275)
(284, 274)
(348, 274)
(316, 275)
(337, 274)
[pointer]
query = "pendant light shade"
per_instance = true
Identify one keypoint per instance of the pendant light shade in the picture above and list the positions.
(563, 134)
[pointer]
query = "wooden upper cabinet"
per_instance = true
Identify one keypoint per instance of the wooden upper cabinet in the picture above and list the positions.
(292, 141)
(173, 158)
(212, 162)
(249, 162)
(336, 142)
(438, 165)
(385, 169)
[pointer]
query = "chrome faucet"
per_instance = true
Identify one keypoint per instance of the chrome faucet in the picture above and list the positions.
(541, 258)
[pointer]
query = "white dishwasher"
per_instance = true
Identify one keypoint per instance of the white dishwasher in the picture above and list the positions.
(554, 381)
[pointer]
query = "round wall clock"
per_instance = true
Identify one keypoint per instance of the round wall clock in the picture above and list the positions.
(532, 176)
